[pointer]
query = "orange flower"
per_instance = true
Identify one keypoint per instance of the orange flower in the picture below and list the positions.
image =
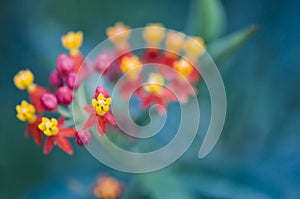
(107, 188)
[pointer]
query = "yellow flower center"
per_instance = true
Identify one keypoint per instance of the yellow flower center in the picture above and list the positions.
(101, 104)
(155, 83)
(183, 67)
(174, 41)
(132, 66)
(49, 126)
(72, 41)
(26, 112)
(194, 47)
(153, 34)
(24, 79)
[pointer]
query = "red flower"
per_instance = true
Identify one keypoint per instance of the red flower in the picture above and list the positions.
(56, 134)
(99, 113)
(100, 121)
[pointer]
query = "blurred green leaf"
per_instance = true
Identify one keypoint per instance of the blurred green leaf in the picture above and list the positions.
(207, 19)
(165, 184)
(226, 46)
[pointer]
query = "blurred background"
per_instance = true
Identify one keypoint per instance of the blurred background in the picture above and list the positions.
(258, 154)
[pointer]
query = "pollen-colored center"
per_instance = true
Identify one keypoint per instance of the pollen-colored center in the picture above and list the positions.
(101, 104)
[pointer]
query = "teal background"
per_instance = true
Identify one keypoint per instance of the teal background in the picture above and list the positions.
(259, 148)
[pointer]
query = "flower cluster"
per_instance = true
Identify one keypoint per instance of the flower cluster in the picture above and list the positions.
(168, 78)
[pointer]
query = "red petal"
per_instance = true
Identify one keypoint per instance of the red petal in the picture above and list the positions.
(110, 119)
(67, 132)
(32, 129)
(90, 122)
(35, 97)
(146, 102)
(64, 144)
(48, 145)
(89, 109)
(61, 121)
(101, 125)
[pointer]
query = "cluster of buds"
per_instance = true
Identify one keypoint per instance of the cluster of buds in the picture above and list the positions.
(168, 81)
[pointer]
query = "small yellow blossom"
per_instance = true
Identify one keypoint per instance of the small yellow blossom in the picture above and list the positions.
(194, 47)
(153, 34)
(175, 41)
(26, 112)
(24, 79)
(131, 65)
(183, 67)
(118, 34)
(72, 41)
(49, 126)
(155, 83)
(107, 188)
(101, 104)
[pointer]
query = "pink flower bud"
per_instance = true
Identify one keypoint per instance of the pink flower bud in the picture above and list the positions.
(64, 95)
(101, 89)
(72, 80)
(103, 62)
(49, 102)
(83, 137)
(64, 64)
(55, 79)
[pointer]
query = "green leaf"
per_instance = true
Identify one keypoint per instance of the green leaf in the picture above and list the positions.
(207, 19)
(226, 46)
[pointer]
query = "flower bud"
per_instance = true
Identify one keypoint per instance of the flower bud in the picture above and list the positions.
(64, 95)
(103, 62)
(83, 137)
(64, 64)
(49, 102)
(55, 79)
(101, 89)
(72, 80)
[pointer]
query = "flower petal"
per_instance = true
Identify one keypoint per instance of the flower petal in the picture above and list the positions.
(64, 144)
(48, 145)
(67, 132)
(90, 122)
(89, 109)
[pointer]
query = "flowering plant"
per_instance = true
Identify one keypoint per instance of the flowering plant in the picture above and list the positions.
(78, 107)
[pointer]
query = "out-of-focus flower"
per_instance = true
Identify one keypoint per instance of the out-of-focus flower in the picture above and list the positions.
(64, 64)
(103, 62)
(118, 34)
(72, 80)
(55, 79)
(49, 102)
(26, 113)
(155, 93)
(155, 83)
(99, 114)
(56, 134)
(64, 95)
(132, 66)
(194, 47)
(24, 79)
(107, 188)
(154, 34)
(183, 67)
(174, 42)
(72, 41)
(83, 137)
